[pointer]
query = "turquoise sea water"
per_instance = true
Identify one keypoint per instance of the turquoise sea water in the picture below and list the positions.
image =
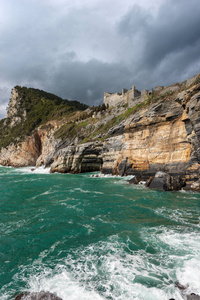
(82, 237)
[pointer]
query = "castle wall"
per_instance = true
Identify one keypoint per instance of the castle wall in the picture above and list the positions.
(113, 99)
(124, 98)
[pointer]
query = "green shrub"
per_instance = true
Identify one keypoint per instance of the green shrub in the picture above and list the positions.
(40, 107)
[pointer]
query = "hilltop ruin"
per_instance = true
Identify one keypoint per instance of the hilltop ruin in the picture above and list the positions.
(133, 96)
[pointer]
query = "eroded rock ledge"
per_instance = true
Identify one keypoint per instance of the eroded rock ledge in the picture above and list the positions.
(164, 136)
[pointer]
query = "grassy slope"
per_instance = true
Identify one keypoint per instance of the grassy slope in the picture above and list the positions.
(42, 107)
(86, 131)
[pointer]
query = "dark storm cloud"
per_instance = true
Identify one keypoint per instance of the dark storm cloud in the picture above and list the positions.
(4, 101)
(79, 51)
(170, 40)
(88, 80)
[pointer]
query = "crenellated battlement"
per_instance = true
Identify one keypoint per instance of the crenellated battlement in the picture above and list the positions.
(113, 99)
(129, 97)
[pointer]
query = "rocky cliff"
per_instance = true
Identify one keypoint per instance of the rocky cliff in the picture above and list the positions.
(162, 133)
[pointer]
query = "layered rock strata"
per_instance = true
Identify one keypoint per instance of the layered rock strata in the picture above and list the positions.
(163, 136)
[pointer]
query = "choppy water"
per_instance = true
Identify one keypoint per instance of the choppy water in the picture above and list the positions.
(95, 238)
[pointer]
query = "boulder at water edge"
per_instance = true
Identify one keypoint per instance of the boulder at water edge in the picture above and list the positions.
(133, 180)
(164, 182)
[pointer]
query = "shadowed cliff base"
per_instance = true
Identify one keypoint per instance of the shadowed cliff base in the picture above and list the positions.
(156, 131)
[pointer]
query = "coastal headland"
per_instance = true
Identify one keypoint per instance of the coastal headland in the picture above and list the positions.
(131, 133)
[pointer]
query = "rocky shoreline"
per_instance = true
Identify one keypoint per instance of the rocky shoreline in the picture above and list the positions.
(161, 137)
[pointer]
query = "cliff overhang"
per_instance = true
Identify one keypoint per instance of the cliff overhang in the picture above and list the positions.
(161, 133)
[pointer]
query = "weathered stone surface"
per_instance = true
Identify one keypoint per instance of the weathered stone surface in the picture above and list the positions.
(23, 154)
(165, 182)
(164, 136)
(48, 142)
(13, 108)
(133, 180)
(78, 158)
(37, 296)
(196, 186)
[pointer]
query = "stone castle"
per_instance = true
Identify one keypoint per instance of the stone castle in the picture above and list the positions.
(129, 97)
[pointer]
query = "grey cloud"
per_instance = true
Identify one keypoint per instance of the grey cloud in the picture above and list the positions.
(88, 80)
(80, 52)
(170, 40)
(4, 101)
(176, 28)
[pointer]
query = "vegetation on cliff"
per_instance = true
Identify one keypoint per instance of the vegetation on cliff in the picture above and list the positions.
(90, 126)
(155, 132)
(38, 107)
(35, 107)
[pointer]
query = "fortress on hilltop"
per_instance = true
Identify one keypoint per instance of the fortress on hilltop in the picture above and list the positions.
(130, 97)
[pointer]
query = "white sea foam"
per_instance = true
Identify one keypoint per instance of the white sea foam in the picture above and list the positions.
(45, 253)
(33, 170)
(101, 218)
(184, 244)
(142, 182)
(182, 253)
(9, 167)
(75, 207)
(11, 226)
(89, 228)
(189, 275)
(101, 175)
(80, 190)
(62, 285)
(181, 216)
(104, 270)
(85, 191)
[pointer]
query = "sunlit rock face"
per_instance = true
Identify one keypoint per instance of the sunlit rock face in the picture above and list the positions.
(15, 111)
(162, 136)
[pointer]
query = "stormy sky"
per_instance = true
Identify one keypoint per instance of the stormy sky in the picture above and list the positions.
(79, 49)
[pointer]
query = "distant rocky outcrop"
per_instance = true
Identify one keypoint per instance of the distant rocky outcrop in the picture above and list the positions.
(157, 133)
(15, 113)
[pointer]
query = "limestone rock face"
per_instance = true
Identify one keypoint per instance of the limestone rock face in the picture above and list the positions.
(163, 136)
(48, 143)
(78, 158)
(154, 139)
(23, 154)
(13, 109)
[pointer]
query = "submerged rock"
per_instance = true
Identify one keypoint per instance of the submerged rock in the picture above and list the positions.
(182, 287)
(37, 296)
(133, 180)
(193, 296)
